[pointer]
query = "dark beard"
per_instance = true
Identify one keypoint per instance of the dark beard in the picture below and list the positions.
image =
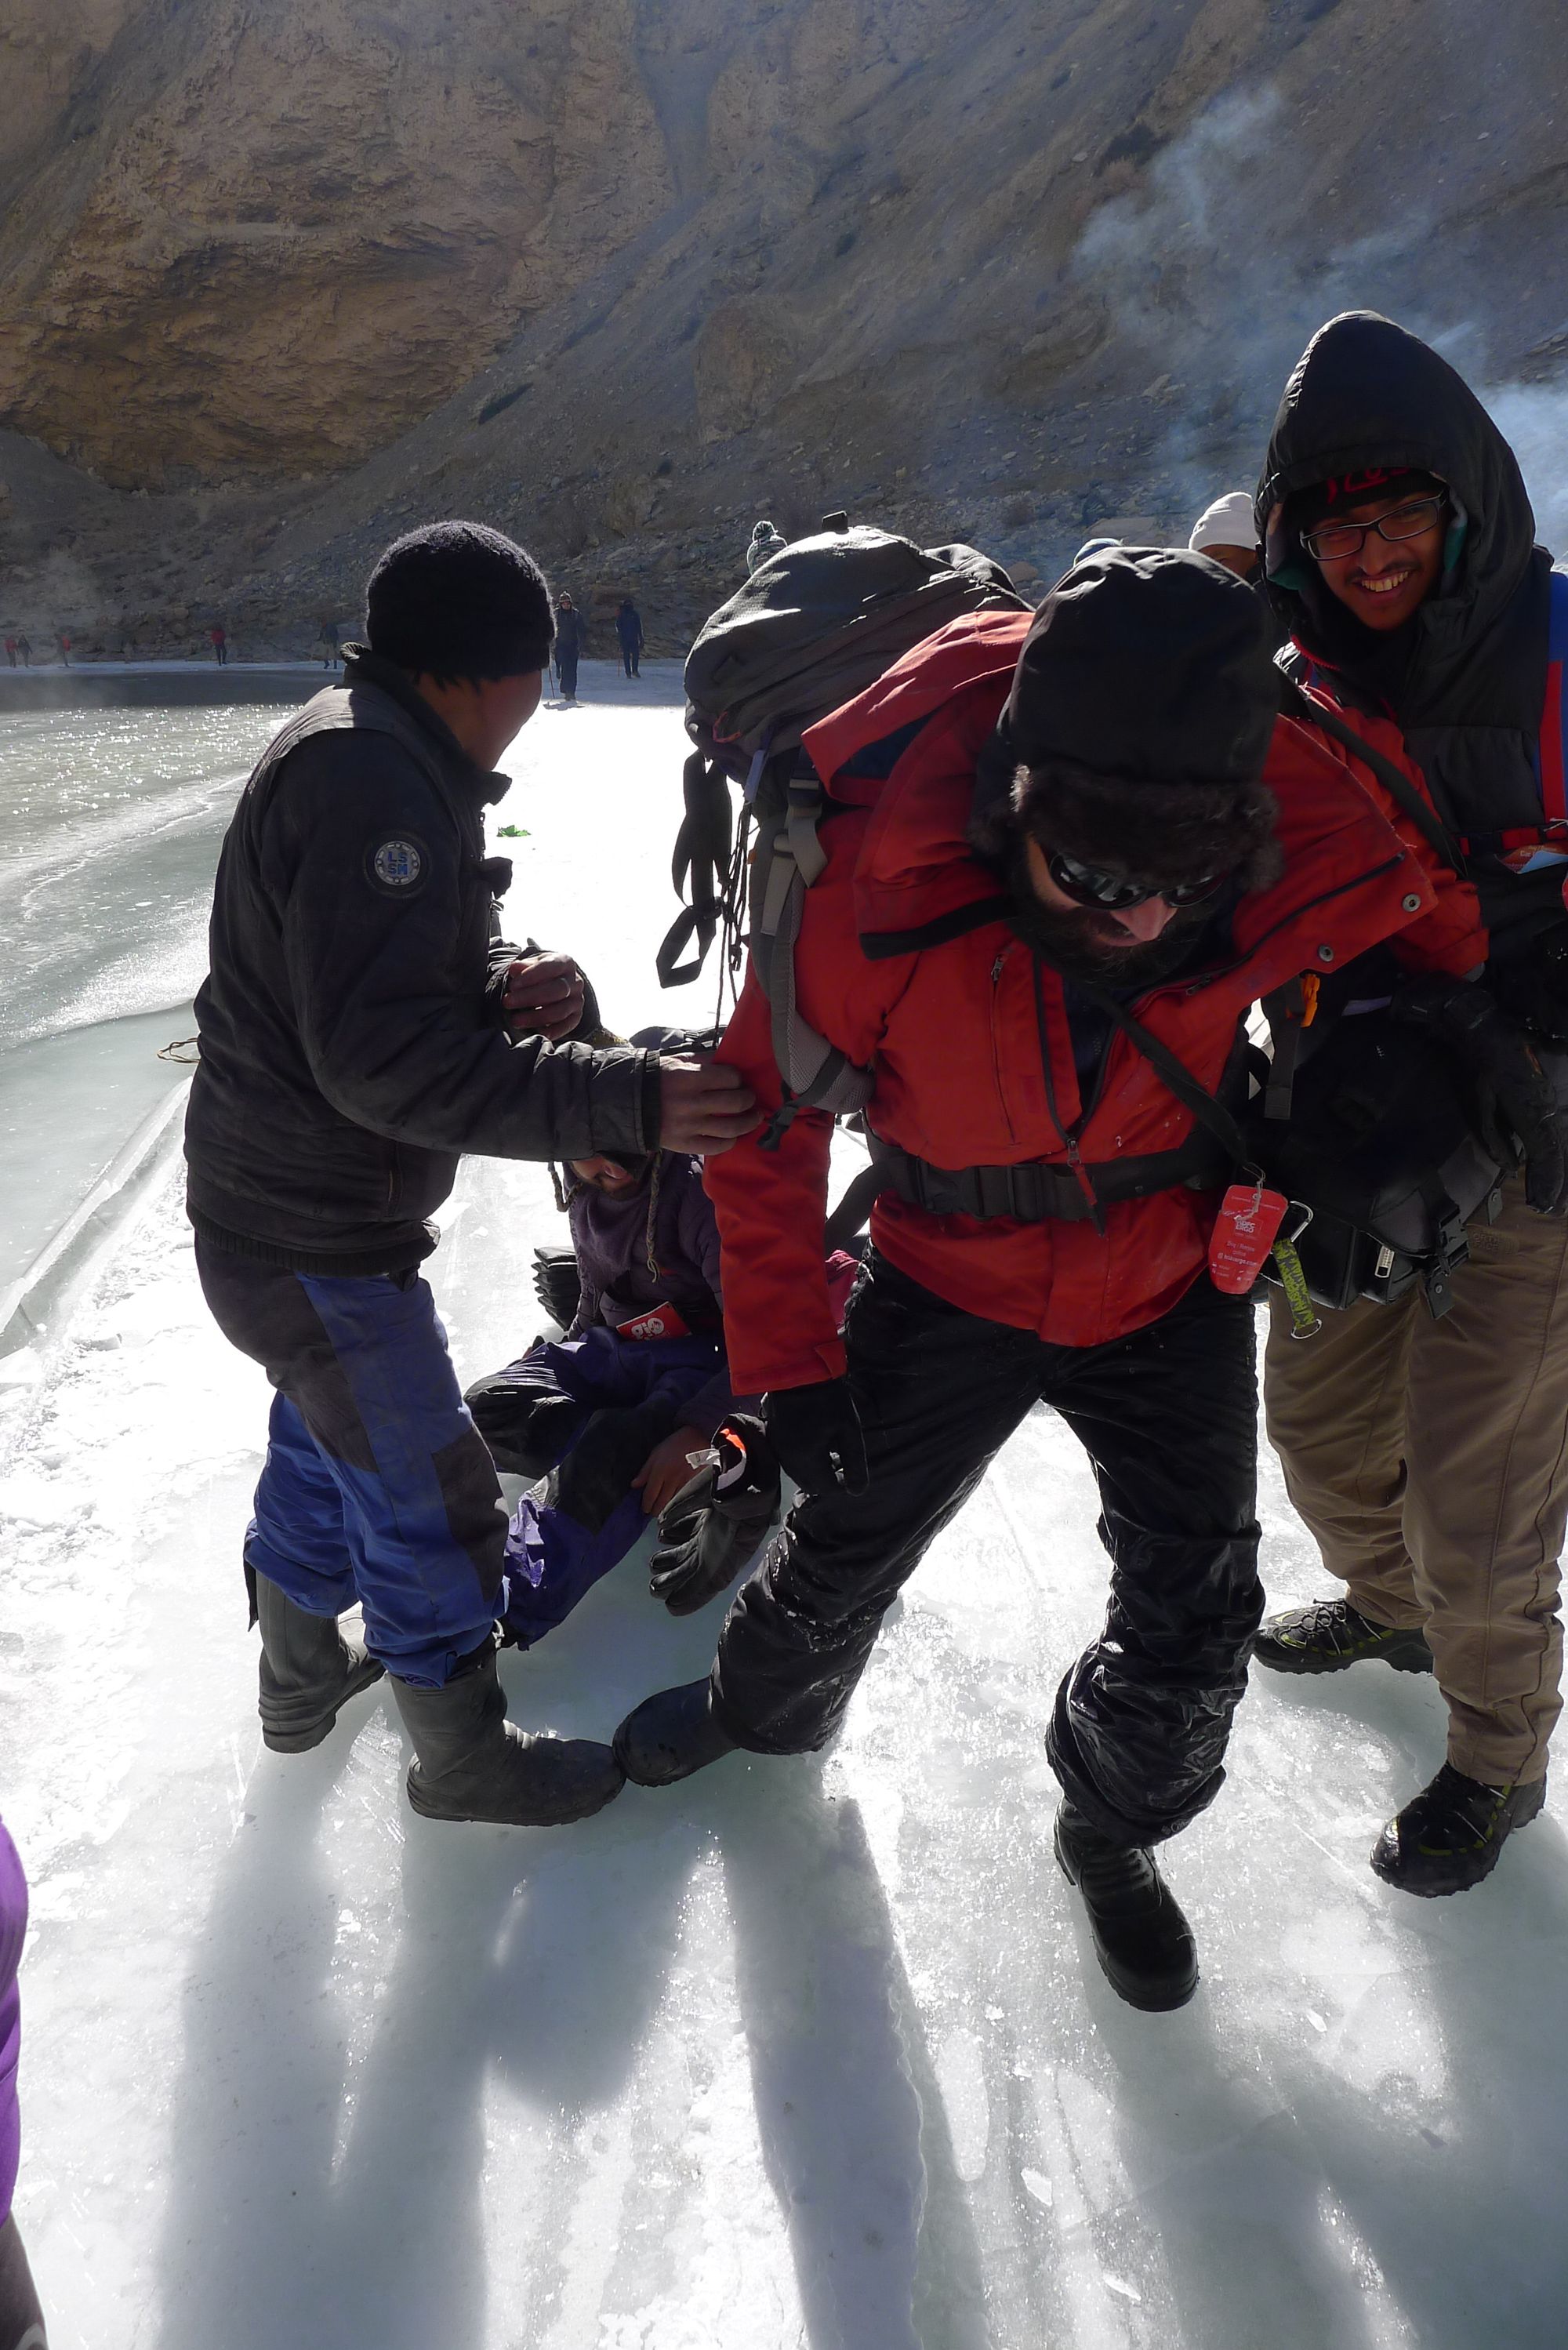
(1080, 944)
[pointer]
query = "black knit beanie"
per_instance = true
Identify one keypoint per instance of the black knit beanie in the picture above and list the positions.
(457, 599)
(1141, 713)
(1323, 500)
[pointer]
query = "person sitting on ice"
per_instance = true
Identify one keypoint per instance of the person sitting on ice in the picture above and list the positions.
(632, 1409)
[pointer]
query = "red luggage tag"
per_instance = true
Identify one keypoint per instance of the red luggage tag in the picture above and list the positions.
(1244, 1230)
(659, 1322)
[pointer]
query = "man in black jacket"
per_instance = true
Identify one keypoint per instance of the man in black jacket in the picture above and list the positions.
(357, 1037)
(571, 636)
(1428, 1456)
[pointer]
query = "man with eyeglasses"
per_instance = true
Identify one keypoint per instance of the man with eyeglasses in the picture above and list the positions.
(1067, 851)
(1427, 1457)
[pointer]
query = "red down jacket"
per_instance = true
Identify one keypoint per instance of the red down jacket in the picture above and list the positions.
(953, 1030)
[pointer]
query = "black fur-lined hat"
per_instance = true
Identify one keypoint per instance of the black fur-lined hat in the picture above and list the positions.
(1140, 717)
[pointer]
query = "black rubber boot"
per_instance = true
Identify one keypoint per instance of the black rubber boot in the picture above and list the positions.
(1450, 1836)
(669, 1736)
(1329, 1634)
(716, 1525)
(308, 1671)
(471, 1764)
(1143, 1943)
(21, 2313)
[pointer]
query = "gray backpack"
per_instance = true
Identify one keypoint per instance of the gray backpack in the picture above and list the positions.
(811, 629)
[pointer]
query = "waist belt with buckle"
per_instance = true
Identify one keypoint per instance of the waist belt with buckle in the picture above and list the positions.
(1039, 1190)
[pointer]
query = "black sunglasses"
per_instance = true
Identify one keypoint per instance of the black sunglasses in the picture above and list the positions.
(1112, 893)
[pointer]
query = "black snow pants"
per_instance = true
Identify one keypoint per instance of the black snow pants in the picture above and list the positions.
(1169, 1420)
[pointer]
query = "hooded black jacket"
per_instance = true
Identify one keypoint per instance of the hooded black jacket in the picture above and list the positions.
(1465, 679)
(352, 1045)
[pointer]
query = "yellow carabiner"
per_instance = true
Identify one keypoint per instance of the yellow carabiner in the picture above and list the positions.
(1305, 1320)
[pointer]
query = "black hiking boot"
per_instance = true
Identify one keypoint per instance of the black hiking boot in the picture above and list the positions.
(1449, 1837)
(1142, 1941)
(471, 1764)
(669, 1736)
(308, 1671)
(1329, 1634)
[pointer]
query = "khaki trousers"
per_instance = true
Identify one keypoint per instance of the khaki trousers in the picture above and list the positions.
(1430, 1462)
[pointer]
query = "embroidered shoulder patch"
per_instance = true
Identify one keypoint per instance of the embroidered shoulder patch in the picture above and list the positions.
(397, 866)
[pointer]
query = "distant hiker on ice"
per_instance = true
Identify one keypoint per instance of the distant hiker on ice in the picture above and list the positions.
(64, 642)
(25, 648)
(571, 638)
(629, 628)
(10, 652)
(1072, 849)
(355, 1044)
(219, 637)
(765, 542)
(327, 639)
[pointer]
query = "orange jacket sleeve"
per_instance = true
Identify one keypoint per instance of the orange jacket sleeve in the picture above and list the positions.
(779, 1325)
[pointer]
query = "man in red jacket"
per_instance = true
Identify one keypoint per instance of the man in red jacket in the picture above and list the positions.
(1044, 935)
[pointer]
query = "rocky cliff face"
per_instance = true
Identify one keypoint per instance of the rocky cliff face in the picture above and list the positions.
(280, 276)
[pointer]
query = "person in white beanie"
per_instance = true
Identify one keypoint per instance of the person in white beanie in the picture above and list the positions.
(1227, 533)
(765, 542)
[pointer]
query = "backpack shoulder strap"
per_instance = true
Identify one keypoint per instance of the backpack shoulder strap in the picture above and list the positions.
(1190, 1091)
(1294, 703)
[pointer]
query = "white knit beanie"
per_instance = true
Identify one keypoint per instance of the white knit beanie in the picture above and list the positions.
(1228, 522)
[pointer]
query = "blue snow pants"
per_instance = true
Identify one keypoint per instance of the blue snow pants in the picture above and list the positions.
(632, 1392)
(376, 1487)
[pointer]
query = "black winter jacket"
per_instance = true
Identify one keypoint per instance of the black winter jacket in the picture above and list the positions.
(352, 1041)
(1464, 680)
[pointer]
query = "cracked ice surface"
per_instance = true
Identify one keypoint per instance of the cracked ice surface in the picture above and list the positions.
(801, 2056)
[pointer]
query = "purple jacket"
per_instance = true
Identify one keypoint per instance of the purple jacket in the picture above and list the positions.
(670, 1219)
(13, 1927)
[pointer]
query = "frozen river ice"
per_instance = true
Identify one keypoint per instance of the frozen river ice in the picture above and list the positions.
(801, 2056)
(111, 821)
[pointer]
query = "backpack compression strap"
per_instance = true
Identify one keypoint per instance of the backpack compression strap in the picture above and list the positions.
(815, 1075)
(703, 849)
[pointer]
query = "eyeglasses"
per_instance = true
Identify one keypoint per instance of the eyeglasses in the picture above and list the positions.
(1334, 541)
(1112, 893)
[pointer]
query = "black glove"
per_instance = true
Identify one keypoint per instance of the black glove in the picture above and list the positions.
(1534, 984)
(1514, 1088)
(713, 1528)
(816, 1434)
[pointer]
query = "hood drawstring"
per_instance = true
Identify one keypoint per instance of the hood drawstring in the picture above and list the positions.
(652, 1211)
